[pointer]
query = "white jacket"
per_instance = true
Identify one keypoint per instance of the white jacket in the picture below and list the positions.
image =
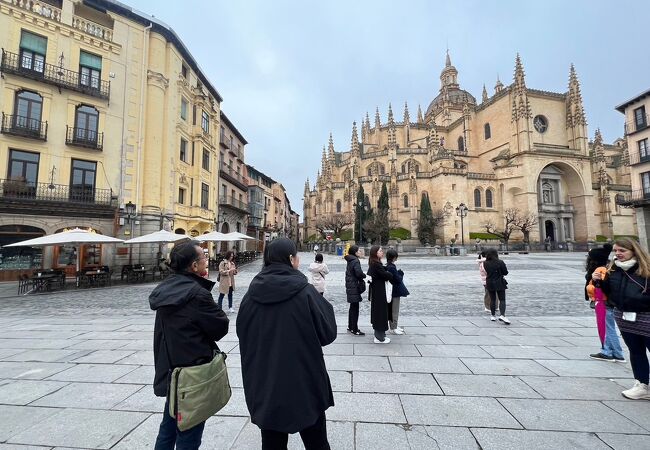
(318, 272)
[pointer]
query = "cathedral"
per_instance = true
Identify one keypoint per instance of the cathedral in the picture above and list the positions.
(517, 148)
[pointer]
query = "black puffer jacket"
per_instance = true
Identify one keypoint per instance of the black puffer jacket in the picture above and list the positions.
(496, 271)
(192, 321)
(353, 276)
(625, 294)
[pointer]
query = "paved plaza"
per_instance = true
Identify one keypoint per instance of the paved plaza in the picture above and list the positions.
(76, 368)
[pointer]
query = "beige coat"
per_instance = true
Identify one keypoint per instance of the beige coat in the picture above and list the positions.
(227, 270)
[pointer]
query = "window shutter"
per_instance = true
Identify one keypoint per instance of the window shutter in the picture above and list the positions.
(90, 60)
(33, 42)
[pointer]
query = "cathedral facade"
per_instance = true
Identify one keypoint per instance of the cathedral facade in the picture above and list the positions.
(517, 148)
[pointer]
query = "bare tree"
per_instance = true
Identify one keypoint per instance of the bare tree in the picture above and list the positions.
(335, 222)
(526, 223)
(510, 218)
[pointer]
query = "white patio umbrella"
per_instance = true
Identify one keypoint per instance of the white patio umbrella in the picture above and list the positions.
(158, 237)
(216, 236)
(76, 236)
(237, 236)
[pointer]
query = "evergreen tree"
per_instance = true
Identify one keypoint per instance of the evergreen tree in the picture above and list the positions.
(361, 214)
(426, 224)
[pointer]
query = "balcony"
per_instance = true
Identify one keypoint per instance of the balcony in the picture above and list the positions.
(82, 137)
(223, 141)
(57, 76)
(634, 126)
(234, 177)
(639, 197)
(637, 158)
(22, 197)
(24, 127)
(232, 202)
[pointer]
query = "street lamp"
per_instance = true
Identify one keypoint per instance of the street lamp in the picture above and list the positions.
(130, 209)
(362, 206)
(461, 211)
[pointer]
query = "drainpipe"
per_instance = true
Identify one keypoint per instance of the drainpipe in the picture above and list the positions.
(145, 63)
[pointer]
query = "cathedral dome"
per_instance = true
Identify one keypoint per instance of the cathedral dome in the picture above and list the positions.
(450, 92)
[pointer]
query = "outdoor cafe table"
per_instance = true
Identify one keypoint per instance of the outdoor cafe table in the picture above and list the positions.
(136, 274)
(97, 277)
(43, 281)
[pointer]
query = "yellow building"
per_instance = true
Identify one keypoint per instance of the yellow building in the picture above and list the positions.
(517, 148)
(104, 112)
(637, 134)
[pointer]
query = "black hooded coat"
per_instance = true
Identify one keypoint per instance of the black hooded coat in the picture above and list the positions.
(282, 325)
(192, 321)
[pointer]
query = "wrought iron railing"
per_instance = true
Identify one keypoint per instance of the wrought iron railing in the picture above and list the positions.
(234, 176)
(635, 125)
(224, 141)
(56, 75)
(637, 196)
(83, 137)
(229, 200)
(637, 158)
(12, 189)
(24, 127)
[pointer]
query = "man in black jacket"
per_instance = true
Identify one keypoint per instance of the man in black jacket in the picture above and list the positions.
(282, 324)
(188, 322)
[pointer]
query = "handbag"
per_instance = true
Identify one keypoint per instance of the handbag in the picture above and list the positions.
(361, 286)
(198, 392)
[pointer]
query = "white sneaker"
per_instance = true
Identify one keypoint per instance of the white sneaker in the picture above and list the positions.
(493, 318)
(398, 331)
(385, 341)
(487, 310)
(638, 392)
(504, 319)
(400, 328)
(231, 310)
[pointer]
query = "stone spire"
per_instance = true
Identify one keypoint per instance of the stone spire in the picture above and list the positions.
(323, 162)
(499, 86)
(599, 149)
(330, 152)
(407, 117)
(392, 136)
(354, 144)
(485, 95)
(420, 117)
(449, 75)
(377, 120)
(575, 110)
(433, 140)
(307, 188)
(448, 60)
(520, 103)
(367, 122)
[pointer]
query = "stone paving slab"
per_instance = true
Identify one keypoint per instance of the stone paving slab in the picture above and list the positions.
(140, 375)
(363, 407)
(637, 411)
(47, 355)
(395, 383)
(367, 363)
(393, 349)
(108, 356)
(569, 415)
(31, 370)
(84, 428)
(456, 411)
(589, 368)
(505, 367)
(457, 351)
(625, 441)
(88, 395)
(92, 373)
(493, 439)
(485, 386)
(521, 352)
(428, 364)
(18, 418)
(574, 388)
(23, 392)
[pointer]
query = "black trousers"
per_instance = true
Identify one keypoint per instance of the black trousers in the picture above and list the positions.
(313, 437)
(502, 302)
(353, 317)
(638, 346)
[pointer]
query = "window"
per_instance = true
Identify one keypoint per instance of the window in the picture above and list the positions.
(90, 69)
(82, 180)
(232, 194)
(183, 152)
(488, 198)
(205, 121)
(86, 124)
(486, 131)
(547, 193)
(477, 198)
(181, 196)
(33, 49)
(369, 171)
(640, 119)
(183, 109)
(461, 144)
(645, 183)
(206, 160)
(184, 71)
(205, 195)
(23, 166)
(643, 149)
(405, 199)
(338, 206)
(382, 169)
(28, 110)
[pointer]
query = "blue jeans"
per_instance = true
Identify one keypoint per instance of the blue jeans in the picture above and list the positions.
(220, 300)
(612, 345)
(169, 434)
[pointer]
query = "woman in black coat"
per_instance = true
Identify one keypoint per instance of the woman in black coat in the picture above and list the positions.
(377, 294)
(282, 325)
(496, 284)
(354, 287)
(188, 322)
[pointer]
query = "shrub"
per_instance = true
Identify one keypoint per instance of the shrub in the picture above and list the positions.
(399, 233)
(346, 235)
(483, 236)
(601, 238)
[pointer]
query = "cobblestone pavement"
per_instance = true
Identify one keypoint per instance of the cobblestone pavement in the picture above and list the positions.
(539, 285)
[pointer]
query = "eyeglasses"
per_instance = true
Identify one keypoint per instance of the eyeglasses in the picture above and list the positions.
(203, 258)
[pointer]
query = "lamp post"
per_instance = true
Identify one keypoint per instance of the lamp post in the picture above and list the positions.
(130, 209)
(461, 211)
(362, 207)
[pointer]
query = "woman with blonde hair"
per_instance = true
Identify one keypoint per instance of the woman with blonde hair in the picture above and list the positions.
(628, 290)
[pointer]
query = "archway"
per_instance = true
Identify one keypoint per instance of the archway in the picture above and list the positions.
(15, 258)
(549, 230)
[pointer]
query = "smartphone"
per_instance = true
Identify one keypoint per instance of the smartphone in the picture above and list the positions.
(629, 316)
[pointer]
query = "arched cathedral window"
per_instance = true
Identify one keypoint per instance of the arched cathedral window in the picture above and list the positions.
(487, 131)
(477, 198)
(406, 200)
(369, 171)
(338, 206)
(547, 193)
(461, 144)
(488, 198)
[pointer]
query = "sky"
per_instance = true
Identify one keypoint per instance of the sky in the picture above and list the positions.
(292, 72)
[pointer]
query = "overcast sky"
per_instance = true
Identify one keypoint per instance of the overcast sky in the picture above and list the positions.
(291, 72)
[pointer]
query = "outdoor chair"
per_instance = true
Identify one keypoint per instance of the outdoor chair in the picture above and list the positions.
(23, 284)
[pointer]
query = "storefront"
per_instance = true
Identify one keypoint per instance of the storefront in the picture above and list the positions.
(15, 261)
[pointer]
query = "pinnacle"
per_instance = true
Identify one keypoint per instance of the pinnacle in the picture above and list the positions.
(420, 118)
(407, 117)
(448, 60)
